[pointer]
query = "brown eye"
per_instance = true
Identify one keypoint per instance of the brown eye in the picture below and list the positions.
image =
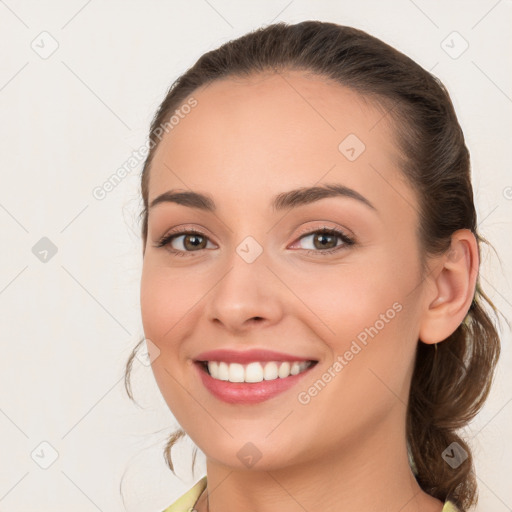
(192, 241)
(184, 242)
(324, 241)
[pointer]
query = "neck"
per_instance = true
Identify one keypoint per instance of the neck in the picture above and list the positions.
(373, 476)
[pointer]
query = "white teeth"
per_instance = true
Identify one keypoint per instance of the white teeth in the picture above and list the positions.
(295, 368)
(236, 372)
(223, 373)
(253, 372)
(284, 370)
(271, 371)
(256, 371)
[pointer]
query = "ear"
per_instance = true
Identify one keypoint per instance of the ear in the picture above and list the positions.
(451, 287)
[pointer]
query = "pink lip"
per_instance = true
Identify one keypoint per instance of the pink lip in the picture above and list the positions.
(247, 356)
(247, 392)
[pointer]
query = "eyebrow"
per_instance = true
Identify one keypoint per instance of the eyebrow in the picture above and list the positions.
(283, 201)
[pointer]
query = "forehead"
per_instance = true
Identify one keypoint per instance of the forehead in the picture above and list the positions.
(250, 137)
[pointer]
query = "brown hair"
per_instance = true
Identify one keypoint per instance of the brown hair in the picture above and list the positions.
(452, 379)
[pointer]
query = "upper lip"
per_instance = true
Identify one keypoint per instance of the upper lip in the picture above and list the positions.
(248, 356)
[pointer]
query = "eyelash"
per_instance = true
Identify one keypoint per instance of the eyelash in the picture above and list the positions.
(347, 241)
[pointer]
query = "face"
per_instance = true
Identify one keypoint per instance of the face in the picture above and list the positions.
(333, 279)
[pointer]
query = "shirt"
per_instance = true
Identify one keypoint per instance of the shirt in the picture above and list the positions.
(187, 502)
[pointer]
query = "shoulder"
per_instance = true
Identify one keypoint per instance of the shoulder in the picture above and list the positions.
(186, 502)
(449, 507)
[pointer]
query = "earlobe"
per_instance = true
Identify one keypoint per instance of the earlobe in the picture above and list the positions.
(452, 287)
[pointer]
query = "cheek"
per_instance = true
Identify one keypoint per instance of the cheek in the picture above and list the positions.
(366, 313)
(370, 344)
(166, 297)
(348, 299)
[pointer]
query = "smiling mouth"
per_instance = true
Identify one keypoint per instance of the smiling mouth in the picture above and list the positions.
(255, 371)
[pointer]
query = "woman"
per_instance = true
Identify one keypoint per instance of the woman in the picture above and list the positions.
(310, 295)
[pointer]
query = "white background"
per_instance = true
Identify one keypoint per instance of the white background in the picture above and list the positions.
(68, 122)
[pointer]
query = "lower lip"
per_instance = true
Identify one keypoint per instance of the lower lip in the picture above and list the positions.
(247, 392)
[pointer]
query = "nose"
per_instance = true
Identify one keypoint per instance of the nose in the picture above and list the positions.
(247, 295)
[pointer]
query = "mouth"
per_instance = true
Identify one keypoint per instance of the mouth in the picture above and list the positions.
(254, 372)
(253, 382)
